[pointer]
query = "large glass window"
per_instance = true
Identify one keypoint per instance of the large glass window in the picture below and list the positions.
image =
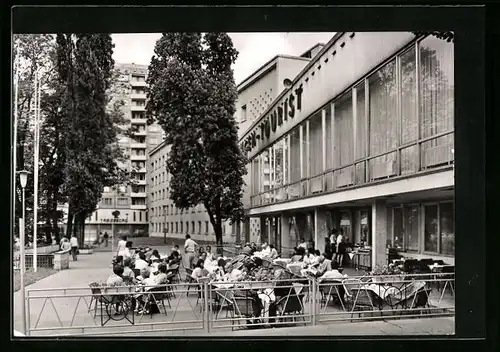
(398, 230)
(431, 228)
(447, 228)
(383, 110)
(278, 164)
(295, 155)
(255, 176)
(265, 176)
(409, 117)
(436, 100)
(316, 144)
(343, 131)
(328, 138)
(436, 86)
(361, 137)
(411, 228)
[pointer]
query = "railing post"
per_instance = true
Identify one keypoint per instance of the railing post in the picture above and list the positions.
(27, 317)
(313, 298)
(206, 307)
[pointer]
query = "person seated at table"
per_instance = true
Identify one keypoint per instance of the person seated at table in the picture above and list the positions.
(266, 251)
(308, 256)
(144, 274)
(203, 256)
(141, 262)
(298, 256)
(115, 279)
(247, 250)
(324, 265)
(162, 278)
(281, 289)
(220, 272)
(273, 252)
(209, 254)
(333, 274)
(302, 244)
(173, 258)
(154, 255)
(254, 247)
(199, 270)
(128, 273)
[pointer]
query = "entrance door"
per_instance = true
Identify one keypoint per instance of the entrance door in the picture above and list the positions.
(364, 227)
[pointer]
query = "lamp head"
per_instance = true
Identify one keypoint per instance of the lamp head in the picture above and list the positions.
(23, 177)
(287, 83)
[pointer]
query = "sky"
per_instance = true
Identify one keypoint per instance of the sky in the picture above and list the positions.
(254, 49)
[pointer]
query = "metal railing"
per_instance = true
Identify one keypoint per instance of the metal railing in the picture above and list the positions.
(201, 307)
(397, 162)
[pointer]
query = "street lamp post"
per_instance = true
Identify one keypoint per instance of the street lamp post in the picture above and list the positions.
(115, 214)
(23, 178)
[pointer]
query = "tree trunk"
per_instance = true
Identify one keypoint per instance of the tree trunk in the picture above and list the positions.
(79, 227)
(218, 237)
(69, 227)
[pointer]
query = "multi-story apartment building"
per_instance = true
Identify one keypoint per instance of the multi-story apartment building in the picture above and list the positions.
(130, 201)
(255, 94)
(362, 141)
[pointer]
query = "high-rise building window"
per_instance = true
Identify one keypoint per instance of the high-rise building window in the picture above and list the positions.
(243, 113)
(206, 227)
(140, 216)
(199, 226)
(133, 215)
(192, 227)
(182, 226)
(187, 226)
(176, 227)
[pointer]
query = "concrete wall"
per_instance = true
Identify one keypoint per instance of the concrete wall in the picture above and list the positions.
(288, 68)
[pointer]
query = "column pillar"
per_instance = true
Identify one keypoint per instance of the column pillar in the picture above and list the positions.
(379, 233)
(286, 240)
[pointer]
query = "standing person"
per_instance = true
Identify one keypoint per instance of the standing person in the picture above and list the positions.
(74, 246)
(106, 237)
(210, 255)
(100, 239)
(121, 247)
(340, 248)
(65, 245)
(190, 247)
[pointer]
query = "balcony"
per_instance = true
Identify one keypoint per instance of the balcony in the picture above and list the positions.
(138, 194)
(135, 83)
(138, 157)
(138, 121)
(138, 96)
(141, 170)
(140, 182)
(138, 207)
(138, 108)
(138, 145)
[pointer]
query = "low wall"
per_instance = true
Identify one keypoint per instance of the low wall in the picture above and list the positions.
(61, 260)
(447, 260)
(40, 250)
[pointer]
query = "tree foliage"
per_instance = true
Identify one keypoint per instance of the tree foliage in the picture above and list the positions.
(31, 53)
(192, 94)
(91, 149)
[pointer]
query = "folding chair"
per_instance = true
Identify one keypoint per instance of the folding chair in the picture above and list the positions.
(358, 296)
(245, 307)
(332, 290)
(291, 305)
(155, 295)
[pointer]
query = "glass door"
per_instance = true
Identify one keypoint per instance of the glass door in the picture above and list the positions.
(364, 228)
(346, 224)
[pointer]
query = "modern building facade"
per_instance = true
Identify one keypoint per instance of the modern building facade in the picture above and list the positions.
(130, 201)
(362, 141)
(255, 94)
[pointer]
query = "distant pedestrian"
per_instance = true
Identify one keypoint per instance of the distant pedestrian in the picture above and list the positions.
(100, 239)
(74, 246)
(106, 238)
(190, 247)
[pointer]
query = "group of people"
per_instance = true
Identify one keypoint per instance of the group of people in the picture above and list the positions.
(71, 244)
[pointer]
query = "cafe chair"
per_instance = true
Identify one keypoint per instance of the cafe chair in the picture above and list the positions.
(245, 307)
(291, 306)
(154, 297)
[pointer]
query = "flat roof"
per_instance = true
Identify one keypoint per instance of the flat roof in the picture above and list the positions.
(265, 68)
(285, 91)
(157, 148)
(313, 47)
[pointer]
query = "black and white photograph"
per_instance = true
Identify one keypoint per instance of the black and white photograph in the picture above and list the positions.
(233, 183)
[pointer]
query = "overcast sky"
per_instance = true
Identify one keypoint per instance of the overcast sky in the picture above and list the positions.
(254, 48)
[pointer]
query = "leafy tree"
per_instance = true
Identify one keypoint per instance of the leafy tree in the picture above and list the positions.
(91, 144)
(191, 94)
(32, 53)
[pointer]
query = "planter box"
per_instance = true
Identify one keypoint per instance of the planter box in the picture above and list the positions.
(389, 279)
(86, 251)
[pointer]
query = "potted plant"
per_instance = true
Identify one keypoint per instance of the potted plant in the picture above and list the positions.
(87, 249)
(386, 273)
